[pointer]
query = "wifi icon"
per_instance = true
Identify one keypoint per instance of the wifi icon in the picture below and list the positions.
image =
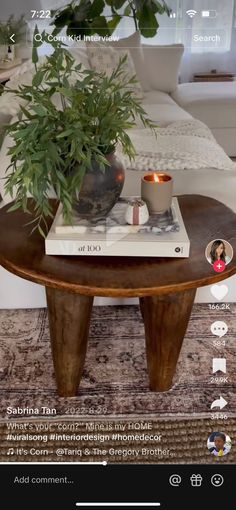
(191, 13)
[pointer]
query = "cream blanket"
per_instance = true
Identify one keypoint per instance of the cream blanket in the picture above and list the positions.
(183, 145)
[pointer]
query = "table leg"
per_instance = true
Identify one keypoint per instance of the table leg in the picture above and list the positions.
(69, 318)
(166, 319)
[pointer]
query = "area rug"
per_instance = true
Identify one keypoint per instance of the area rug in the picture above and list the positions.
(115, 381)
(182, 442)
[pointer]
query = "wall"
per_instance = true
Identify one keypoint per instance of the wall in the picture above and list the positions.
(171, 31)
(18, 7)
(191, 62)
(195, 63)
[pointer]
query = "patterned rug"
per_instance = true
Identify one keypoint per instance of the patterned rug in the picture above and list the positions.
(115, 381)
(182, 442)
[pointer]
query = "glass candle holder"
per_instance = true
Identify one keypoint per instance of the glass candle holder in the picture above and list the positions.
(156, 191)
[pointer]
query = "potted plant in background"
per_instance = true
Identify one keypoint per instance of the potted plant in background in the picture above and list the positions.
(87, 16)
(70, 146)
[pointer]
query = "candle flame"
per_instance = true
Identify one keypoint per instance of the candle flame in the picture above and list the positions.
(157, 178)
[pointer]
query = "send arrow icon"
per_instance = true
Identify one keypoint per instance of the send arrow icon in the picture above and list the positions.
(221, 403)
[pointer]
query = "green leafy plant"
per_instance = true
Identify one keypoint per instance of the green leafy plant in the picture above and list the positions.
(54, 144)
(86, 17)
(16, 26)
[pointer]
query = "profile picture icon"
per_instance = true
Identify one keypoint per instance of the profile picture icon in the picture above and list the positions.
(219, 444)
(219, 250)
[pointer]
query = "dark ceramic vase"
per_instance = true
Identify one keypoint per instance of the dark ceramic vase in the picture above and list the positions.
(100, 190)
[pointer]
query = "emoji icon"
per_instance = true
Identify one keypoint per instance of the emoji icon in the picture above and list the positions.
(217, 480)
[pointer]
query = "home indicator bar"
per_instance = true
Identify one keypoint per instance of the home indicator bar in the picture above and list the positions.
(119, 504)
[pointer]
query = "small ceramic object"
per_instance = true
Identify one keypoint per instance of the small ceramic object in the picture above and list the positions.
(137, 212)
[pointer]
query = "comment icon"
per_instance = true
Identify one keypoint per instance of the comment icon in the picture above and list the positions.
(219, 328)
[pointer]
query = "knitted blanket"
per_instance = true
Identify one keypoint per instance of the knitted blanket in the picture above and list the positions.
(183, 145)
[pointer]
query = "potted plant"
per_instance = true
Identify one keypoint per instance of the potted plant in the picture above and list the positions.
(87, 16)
(70, 146)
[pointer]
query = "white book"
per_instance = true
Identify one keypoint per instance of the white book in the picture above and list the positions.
(164, 235)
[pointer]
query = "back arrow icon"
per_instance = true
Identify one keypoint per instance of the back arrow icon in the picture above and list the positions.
(221, 403)
(12, 38)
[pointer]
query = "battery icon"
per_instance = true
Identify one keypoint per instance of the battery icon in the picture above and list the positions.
(209, 14)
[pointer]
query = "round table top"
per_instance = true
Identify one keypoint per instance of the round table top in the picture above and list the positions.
(205, 220)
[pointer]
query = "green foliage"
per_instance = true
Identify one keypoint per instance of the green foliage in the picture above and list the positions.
(85, 17)
(56, 142)
(15, 26)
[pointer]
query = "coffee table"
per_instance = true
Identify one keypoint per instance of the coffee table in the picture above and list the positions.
(166, 287)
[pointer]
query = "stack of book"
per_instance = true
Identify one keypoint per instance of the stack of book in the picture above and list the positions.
(164, 235)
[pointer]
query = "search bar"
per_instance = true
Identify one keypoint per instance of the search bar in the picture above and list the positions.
(49, 38)
(196, 38)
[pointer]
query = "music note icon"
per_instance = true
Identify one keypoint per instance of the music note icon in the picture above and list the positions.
(10, 451)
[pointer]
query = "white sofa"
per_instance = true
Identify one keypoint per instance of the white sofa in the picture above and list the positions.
(165, 102)
(215, 105)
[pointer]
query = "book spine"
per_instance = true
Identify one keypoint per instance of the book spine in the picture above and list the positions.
(116, 249)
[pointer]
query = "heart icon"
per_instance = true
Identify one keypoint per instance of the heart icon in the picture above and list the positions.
(219, 291)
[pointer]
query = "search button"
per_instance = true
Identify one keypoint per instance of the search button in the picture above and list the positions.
(38, 38)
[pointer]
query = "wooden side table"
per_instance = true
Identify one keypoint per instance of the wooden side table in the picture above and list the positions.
(214, 76)
(166, 287)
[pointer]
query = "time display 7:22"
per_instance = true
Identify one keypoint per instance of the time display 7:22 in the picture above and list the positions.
(40, 14)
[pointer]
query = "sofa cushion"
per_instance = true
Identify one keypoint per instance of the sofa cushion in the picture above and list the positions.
(165, 114)
(157, 97)
(151, 68)
(161, 66)
(133, 44)
(80, 55)
(105, 59)
(23, 75)
(9, 103)
(162, 109)
(212, 103)
(4, 121)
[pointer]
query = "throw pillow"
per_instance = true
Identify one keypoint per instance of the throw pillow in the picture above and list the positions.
(105, 59)
(133, 44)
(23, 75)
(162, 64)
(79, 53)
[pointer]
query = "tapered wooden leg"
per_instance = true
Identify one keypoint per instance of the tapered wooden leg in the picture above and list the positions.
(165, 320)
(69, 318)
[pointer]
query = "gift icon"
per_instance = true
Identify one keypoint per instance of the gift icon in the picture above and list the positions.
(196, 480)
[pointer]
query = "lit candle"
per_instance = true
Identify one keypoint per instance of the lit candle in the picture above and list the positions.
(156, 191)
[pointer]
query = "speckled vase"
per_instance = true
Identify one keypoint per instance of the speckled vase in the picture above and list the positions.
(100, 189)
